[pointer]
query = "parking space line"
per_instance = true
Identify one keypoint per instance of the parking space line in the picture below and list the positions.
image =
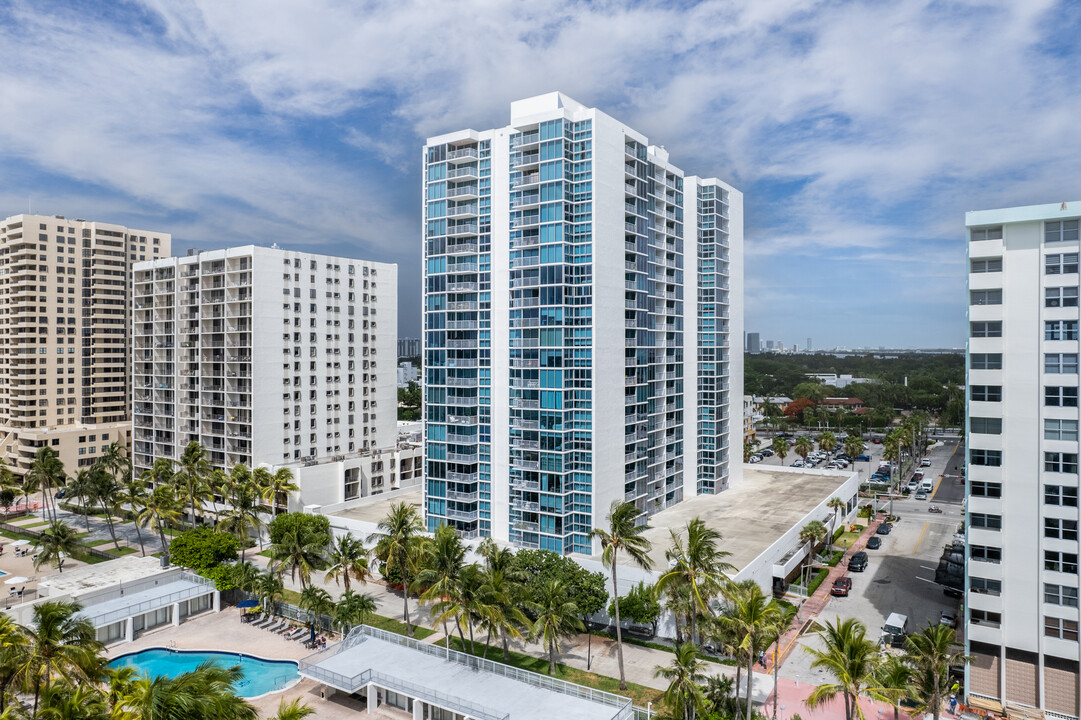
(919, 540)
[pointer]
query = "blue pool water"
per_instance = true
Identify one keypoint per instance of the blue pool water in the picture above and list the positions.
(260, 676)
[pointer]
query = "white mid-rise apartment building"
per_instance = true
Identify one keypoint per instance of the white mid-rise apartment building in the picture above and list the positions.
(1021, 603)
(265, 356)
(580, 297)
(64, 348)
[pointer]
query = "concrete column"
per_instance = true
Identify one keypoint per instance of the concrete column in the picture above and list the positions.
(418, 710)
(129, 629)
(373, 698)
(217, 601)
(176, 614)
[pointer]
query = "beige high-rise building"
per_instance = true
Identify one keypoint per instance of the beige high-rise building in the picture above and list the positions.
(65, 344)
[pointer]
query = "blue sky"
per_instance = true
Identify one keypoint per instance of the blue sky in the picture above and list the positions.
(860, 132)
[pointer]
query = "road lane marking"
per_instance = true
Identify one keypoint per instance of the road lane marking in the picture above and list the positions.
(920, 538)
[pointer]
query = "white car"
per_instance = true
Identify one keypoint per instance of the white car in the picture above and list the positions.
(926, 462)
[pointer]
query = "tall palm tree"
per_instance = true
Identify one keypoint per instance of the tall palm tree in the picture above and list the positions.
(245, 576)
(804, 446)
(13, 644)
(293, 710)
(47, 472)
(396, 545)
(57, 542)
(353, 609)
(104, 490)
(780, 448)
(556, 617)
(850, 658)
(827, 441)
(699, 564)
(193, 471)
(752, 618)
(316, 601)
(269, 588)
(62, 701)
(275, 487)
(347, 558)
(502, 615)
(441, 563)
(495, 557)
(931, 654)
(812, 533)
(893, 683)
(160, 511)
(60, 644)
(298, 552)
(242, 511)
(853, 447)
(623, 533)
(133, 494)
(837, 505)
(79, 489)
(685, 677)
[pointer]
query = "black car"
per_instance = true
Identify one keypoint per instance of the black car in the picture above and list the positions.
(874, 543)
(884, 529)
(858, 563)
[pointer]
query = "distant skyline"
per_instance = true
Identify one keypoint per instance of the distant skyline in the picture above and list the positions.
(859, 133)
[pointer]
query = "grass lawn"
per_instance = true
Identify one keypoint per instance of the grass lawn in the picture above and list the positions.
(846, 540)
(124, 550)
(397, 626)
(640, 694)
(39, 523)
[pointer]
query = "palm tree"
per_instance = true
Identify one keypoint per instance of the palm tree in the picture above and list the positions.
(441, 565)
(812, 533)
(850, 658)
(62, 701)
(209, 691)
(699, 564)
(719, 692)
(780, 448)
(275, 487)
(556, 616)
(299, 553)
(293, 710)
(827, 441)
(47, 472)
(242, 506)
(245, 576)
(804, 446)
(57, 542)
(748, 450)
(752, 619)
(316, 601)
(160, 511)
(104, 490)
(685, 677)
(931, 654)
(79, 489)
(837, 505)
(502, 616)
(894, 682)
(133, 494)
(269, 588)
(60, 644)
(396, 544)
(193, 471)
(353, 609)
(625, 534)
(347, 558)
(13, 644)
(853, 447)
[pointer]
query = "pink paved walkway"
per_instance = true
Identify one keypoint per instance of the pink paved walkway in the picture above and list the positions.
(793, 695)
(813, 605)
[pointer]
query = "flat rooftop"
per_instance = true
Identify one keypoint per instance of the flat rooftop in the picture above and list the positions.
(752, 515)
(373, 512)
(94, 577)
(467, 685)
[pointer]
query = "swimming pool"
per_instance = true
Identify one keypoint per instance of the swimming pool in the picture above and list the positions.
(260, 676)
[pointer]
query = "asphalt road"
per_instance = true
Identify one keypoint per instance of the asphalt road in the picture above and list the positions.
(952, 487)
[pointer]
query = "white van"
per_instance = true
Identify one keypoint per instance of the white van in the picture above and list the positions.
(927, 486)
(895, 629)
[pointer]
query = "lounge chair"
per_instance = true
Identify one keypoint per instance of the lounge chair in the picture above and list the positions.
(275, 627)
(264, 623)
(296, 633)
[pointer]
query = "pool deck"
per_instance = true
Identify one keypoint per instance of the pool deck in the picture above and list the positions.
(224, 631)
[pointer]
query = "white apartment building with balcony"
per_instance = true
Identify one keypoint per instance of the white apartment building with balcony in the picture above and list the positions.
(265, 356)
(580, 296)
(64, 349)
(1022, 518)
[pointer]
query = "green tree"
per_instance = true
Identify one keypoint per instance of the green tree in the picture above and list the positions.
(441, 563)
(60, 644)
(300, 552)
(814, 391)
(780, 447)
(293, 710)
(133, 494)
(804, 446)
(748, 450)
(317, 527)
(853, 447)
(893, 683)
(838, 506)
(931, 653)
(697, 563)
(57, 542)
(640, 605)
(275, 487)
(685, 676)
(347, 558)
(203, 548)
(813, 533)
(47, 473)
(316, 601)
(503, 617)
(160, 511)
(623, 533)
(269, 588)
(244, 576)
(241, 515)
(827, 441)
(396, 543)
(752, 619)
(556, 617)
(104, 490)
(192, 478)
(13, 645)
(353, 609)
(206, 693)
(850, 658)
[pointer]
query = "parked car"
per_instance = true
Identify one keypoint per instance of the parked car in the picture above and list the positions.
(768, 452)
(884, 529)
(841, 586)
(921, 495)
(947, 617)
(863, 458)
(926, 462)
(874, 543)
(913, 485)
(952, 592)
(858, 562)
(755, 459)
(798, 463)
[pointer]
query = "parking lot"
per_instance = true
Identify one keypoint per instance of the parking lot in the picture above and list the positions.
(900, 575)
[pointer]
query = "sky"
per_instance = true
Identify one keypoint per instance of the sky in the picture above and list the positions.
(859, 132)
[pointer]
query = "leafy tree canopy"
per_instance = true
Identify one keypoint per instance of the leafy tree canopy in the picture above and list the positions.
(586, 589)
(202, 548)
(315, 527)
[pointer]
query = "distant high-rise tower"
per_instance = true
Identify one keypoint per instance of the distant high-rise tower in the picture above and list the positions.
(65, 347)
(807, 347)
(551, 245)
(754, 343)
(1021, 513)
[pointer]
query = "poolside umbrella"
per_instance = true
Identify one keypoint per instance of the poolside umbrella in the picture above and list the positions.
(16, 580)
(247, 604)
(20, 542)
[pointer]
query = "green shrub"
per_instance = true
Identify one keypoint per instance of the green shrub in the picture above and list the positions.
(393, 576)
(203, 548)
(222, 575)
(817, 580)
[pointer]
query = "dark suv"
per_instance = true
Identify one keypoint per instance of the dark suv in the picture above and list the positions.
(858, 562)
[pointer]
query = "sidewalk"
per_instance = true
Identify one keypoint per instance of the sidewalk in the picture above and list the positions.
(813, 605)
